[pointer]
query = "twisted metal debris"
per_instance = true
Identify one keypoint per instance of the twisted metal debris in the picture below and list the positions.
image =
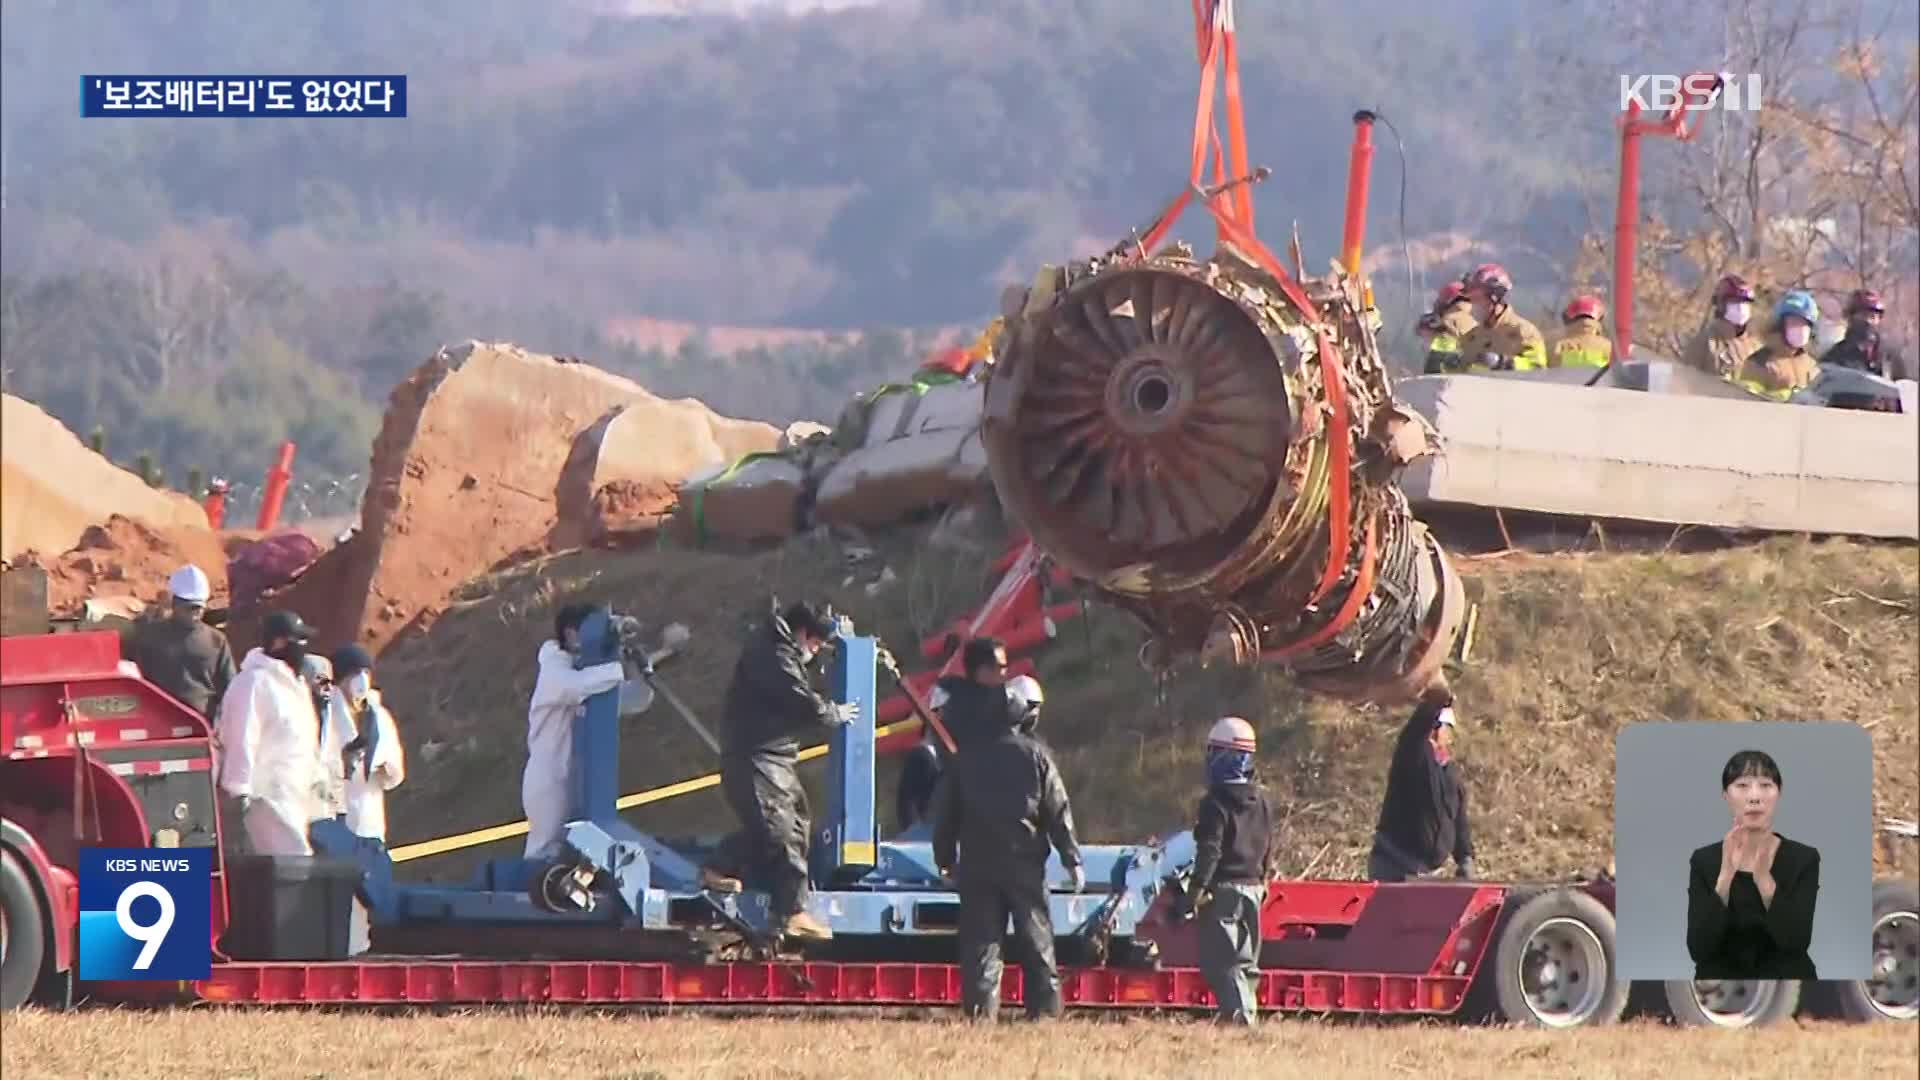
(1179, 434)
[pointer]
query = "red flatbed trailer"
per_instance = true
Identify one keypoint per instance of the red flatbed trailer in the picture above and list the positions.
(94, 755)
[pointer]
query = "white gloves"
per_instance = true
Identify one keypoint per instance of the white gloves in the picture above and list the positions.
(846, 713)
(1077, 875)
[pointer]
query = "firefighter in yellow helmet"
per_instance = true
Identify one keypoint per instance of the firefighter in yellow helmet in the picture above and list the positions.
(1730, 334)
(1503, 340)
(1785, 364)
(1442, 328)
(1582, 343)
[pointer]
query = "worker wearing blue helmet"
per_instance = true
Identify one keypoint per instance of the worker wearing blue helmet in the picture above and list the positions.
(1785, 363)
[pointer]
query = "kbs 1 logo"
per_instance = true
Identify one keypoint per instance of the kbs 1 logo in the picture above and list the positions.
(1698, 92)
(145, 913)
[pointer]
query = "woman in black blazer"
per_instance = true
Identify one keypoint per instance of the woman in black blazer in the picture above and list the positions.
(1750, 897)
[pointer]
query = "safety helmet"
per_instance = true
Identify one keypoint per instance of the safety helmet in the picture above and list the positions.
(1024, 692)
(1732, 287)
(1864, 300)
(1450, 292)
(1799, 303)
(1584, 307)
(1492, 277)
(1231, 733)
(190, 583)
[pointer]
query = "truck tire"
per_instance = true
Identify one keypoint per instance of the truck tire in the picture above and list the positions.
(1733, 1003)
(23, 934)
(1894, 991)
(1554, 962)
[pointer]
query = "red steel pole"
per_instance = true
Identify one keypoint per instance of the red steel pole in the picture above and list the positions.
(276, 489)
(1359, 175)
(1626, 219)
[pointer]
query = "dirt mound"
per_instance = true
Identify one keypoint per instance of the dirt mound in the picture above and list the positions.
(1568, 648)
(128, 558)
(53, 487)
(465, 478)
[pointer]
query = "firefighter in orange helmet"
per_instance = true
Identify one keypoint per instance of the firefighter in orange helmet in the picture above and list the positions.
(1582, 344)
(1503, 340)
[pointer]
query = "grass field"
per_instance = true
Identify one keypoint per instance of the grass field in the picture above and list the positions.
(582, 1046)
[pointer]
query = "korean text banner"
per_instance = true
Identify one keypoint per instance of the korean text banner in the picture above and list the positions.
(243, 95)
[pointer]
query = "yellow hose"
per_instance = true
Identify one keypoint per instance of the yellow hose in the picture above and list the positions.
(626, 802)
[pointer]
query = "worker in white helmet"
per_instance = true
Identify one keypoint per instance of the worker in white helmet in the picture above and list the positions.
(1423, 819)
(1024, 698)
(1000, 809)
(181, 653)
(1232, 864)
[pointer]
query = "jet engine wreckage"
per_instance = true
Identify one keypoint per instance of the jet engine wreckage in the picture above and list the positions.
(1223, 466)
(1214, 445)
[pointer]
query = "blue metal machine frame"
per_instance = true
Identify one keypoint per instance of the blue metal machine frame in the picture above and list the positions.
(863, 887)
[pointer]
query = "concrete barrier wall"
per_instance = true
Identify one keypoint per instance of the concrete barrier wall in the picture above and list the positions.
(1666, 458)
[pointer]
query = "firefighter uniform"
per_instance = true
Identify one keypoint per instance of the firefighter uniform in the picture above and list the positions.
(1720, 348)
(1513, 339)
(1450, 327)
(1777, 369)
(1582, 346)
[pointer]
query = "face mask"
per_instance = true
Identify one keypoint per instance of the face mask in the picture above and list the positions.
(186, 614)
(1737, 314)
(1481, 311)
(1796, 336)
(291, 654)
(357, 685)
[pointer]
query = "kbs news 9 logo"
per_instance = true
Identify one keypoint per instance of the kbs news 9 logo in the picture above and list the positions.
(145, 913)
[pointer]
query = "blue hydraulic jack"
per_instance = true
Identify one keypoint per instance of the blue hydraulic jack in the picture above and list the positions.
(622, 880)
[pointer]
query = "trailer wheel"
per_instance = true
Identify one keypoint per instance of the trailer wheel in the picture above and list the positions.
(1554, 963)
(23, 940)
(1734, 1003)
(1893, 993)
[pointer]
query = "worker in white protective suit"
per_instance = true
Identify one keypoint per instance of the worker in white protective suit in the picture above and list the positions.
(362, 745)
(269, 738)
(559, 694)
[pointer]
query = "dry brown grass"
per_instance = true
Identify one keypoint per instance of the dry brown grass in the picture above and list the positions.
(1569, 648)
(209, 1043)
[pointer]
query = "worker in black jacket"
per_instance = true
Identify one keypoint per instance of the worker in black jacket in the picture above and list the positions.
(1424, 817)
(1233, 843)
(770, 703)
(970, 705)
(1862, 348)
(1003, 805)
(1750, 897)
(974, 705)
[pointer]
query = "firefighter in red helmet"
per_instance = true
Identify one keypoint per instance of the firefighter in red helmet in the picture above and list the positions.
(1504, 341)
(1442, 328)
(1582, 343)
(1729, 336)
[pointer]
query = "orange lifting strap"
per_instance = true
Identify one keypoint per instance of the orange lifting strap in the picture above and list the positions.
(1233, 219)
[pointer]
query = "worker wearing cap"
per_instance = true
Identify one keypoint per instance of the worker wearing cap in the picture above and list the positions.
(1442, 328)
(1729, 335)
(362, 743)
(1233, 861)
(1000, 809)
(560, 693)
(1424, 817)
(181, 654)
(269, 737)
(1862, 348)
(1785, 363)
(1502, 340)
(1582, 343)
(770, 704)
